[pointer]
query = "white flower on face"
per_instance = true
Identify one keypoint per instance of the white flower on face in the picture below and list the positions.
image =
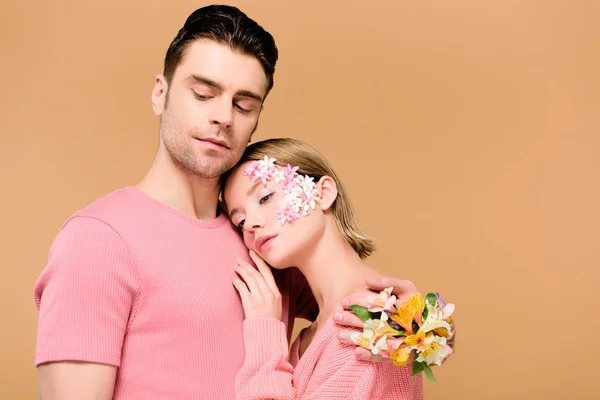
(266, 163)
(279, 175)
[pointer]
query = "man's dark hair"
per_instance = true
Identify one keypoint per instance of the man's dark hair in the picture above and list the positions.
(226, 25)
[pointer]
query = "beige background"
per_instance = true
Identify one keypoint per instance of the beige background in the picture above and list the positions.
(466, 132)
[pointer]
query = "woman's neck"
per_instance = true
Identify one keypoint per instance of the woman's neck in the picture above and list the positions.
(334, 270)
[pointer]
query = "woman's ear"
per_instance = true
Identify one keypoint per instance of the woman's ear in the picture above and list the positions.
(327, 192)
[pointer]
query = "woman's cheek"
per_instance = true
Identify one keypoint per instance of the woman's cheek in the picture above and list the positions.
(248, 240)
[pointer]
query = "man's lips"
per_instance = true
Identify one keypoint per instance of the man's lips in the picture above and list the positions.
(215, 141)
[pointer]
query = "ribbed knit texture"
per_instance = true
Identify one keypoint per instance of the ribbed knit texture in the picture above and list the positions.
(327, 369)
(133, 283)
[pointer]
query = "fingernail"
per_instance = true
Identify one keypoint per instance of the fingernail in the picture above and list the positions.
(337, 316)
(345, 302)
(343, 336)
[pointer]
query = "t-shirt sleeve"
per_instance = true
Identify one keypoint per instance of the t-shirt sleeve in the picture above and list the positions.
(86, 295)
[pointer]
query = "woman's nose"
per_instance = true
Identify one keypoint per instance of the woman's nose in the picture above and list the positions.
(255, 222)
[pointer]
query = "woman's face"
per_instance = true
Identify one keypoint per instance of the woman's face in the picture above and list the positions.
(276, 210)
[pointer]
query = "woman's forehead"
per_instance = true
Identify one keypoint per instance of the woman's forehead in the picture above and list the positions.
(237, 181)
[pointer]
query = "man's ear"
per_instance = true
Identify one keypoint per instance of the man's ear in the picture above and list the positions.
(159, 94)
(327, 192)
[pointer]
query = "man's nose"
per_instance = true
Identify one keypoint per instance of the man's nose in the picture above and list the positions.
(222, 114)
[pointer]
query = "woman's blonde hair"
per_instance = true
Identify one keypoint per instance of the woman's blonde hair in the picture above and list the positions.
(312, 163)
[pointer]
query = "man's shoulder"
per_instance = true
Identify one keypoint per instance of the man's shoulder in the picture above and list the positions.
(117, 203)
(110, 209)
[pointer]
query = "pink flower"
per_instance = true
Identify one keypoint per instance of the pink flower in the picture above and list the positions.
(383, 301)
(286, 214)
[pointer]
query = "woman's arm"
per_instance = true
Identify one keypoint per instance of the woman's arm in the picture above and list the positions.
(337, 374)
(267, 374)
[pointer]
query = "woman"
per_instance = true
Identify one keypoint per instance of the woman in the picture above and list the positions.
(293, 211)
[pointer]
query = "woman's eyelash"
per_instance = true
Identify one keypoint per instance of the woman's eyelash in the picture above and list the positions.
(265, 198)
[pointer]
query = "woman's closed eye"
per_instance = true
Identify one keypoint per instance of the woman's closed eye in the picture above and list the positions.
(240, 224)
(265, 198)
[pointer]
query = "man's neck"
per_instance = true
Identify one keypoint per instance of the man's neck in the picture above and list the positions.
(180, 189)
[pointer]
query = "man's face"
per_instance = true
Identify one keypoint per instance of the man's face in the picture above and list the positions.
(211, 107)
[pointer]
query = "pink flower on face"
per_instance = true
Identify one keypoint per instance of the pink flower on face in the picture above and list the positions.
(286, 214)
(251, 170)
(290, 174)
(289, 170)
(265, 175)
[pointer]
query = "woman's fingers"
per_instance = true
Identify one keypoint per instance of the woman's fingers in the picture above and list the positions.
(242, 289)
(257, 298)
(265, 271)
(255, 281)
(402, 287)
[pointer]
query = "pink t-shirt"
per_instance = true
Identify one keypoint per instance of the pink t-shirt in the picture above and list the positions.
(134, 283)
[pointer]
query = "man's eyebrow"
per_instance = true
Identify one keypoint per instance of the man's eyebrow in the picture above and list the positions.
(209, 82)
(250, 94)
(206, 81)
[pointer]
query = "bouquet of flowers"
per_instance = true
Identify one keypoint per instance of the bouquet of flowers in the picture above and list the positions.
(398, 329)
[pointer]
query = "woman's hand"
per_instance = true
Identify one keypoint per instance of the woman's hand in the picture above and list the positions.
(402, 289)
(257, 288)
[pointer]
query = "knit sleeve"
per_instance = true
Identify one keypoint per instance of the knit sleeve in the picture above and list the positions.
(266, 372)
(336, 375)
(340, 375)
(86, 295)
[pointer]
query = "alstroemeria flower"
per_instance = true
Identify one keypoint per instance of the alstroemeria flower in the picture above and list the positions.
(430, 347)
(373, 331)
(364, 339)
(437, 320)
(435, 350)
(404, 318)
(401, 355)
(381, 346)
(383, 301)
(380, 327)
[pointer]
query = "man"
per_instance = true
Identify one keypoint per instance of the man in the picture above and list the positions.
(137, 300)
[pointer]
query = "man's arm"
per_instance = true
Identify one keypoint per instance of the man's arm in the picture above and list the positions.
(76, 380)
(86, 296)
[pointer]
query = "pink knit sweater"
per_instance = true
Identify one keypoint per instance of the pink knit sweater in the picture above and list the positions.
(327, 369)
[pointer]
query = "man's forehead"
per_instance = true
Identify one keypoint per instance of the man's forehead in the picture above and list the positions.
(221, 64)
